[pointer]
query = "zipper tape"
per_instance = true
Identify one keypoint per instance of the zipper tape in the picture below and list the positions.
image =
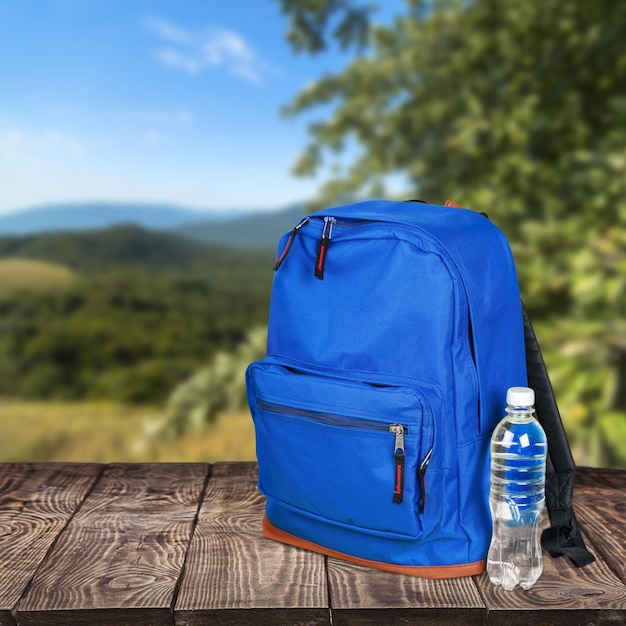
(343, 421)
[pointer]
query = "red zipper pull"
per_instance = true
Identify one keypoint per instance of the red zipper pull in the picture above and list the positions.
(398, 455)
(290, 241)
(322, 247)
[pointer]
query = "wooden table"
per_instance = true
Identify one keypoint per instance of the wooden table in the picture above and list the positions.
(181, 544)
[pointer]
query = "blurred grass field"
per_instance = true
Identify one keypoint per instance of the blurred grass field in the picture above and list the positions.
(108, 432)
(38, 276)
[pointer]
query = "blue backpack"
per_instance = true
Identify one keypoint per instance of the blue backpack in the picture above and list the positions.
(395, 331)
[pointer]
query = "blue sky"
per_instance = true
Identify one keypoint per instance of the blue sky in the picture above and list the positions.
(171, 101)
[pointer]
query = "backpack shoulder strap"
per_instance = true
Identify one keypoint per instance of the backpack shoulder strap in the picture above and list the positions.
(564, 537)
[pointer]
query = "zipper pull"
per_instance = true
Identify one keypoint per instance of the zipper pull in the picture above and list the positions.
(398, 455)
(290, 241)
(322, 247)
(422, 474)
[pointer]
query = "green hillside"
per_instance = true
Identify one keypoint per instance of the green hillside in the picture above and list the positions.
(138, 312)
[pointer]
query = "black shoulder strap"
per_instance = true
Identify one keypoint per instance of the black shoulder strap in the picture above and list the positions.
(564, 536)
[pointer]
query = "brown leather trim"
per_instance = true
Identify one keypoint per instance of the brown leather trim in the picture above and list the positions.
(421, 571)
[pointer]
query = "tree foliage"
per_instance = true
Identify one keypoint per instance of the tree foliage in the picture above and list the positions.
(219, 386)
(513, 108)
(311, 20)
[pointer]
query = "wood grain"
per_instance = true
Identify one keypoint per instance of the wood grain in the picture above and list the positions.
(601, 512)
(36, 502)
(120, 559)
(563, 594)
(361, 595)
(115, 545)
(601, 477)
(232, 568)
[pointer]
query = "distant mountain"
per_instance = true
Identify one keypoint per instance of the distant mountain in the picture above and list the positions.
(128, 245)
(95, 215)
(260, 230)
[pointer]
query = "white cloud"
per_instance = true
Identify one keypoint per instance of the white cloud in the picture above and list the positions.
(194, 52)
(16, 142)
(168, 31)
(179, 60)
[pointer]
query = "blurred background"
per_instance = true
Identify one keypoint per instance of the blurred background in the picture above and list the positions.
(151, 154)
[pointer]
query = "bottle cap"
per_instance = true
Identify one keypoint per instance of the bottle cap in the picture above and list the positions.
(520, 396)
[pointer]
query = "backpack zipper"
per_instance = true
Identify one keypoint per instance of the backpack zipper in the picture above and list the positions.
(325, 239)
(323, 244)
(398, 456)
(343, 421)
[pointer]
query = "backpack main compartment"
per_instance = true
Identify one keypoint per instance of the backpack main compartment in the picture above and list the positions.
(395, 330)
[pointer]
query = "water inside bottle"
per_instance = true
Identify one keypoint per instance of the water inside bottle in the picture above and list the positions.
(515, 554)
(516, 499)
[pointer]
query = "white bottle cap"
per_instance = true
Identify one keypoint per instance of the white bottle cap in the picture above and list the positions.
(520, 396)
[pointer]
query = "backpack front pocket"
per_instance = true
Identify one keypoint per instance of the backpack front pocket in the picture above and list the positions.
(349, 453)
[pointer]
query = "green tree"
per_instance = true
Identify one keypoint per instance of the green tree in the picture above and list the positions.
(219, 386)
(514, 108)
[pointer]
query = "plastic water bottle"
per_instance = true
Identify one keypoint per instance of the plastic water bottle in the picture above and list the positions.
(517, 493)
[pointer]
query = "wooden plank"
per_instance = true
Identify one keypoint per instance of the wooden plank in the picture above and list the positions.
(563, 595)
(601, 513)
(234, 575)
(36, 502)
(361, 596)
(601, 477)
(116, 557)
(120, 559)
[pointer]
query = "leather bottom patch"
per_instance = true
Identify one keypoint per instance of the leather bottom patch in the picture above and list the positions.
(434, 572)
